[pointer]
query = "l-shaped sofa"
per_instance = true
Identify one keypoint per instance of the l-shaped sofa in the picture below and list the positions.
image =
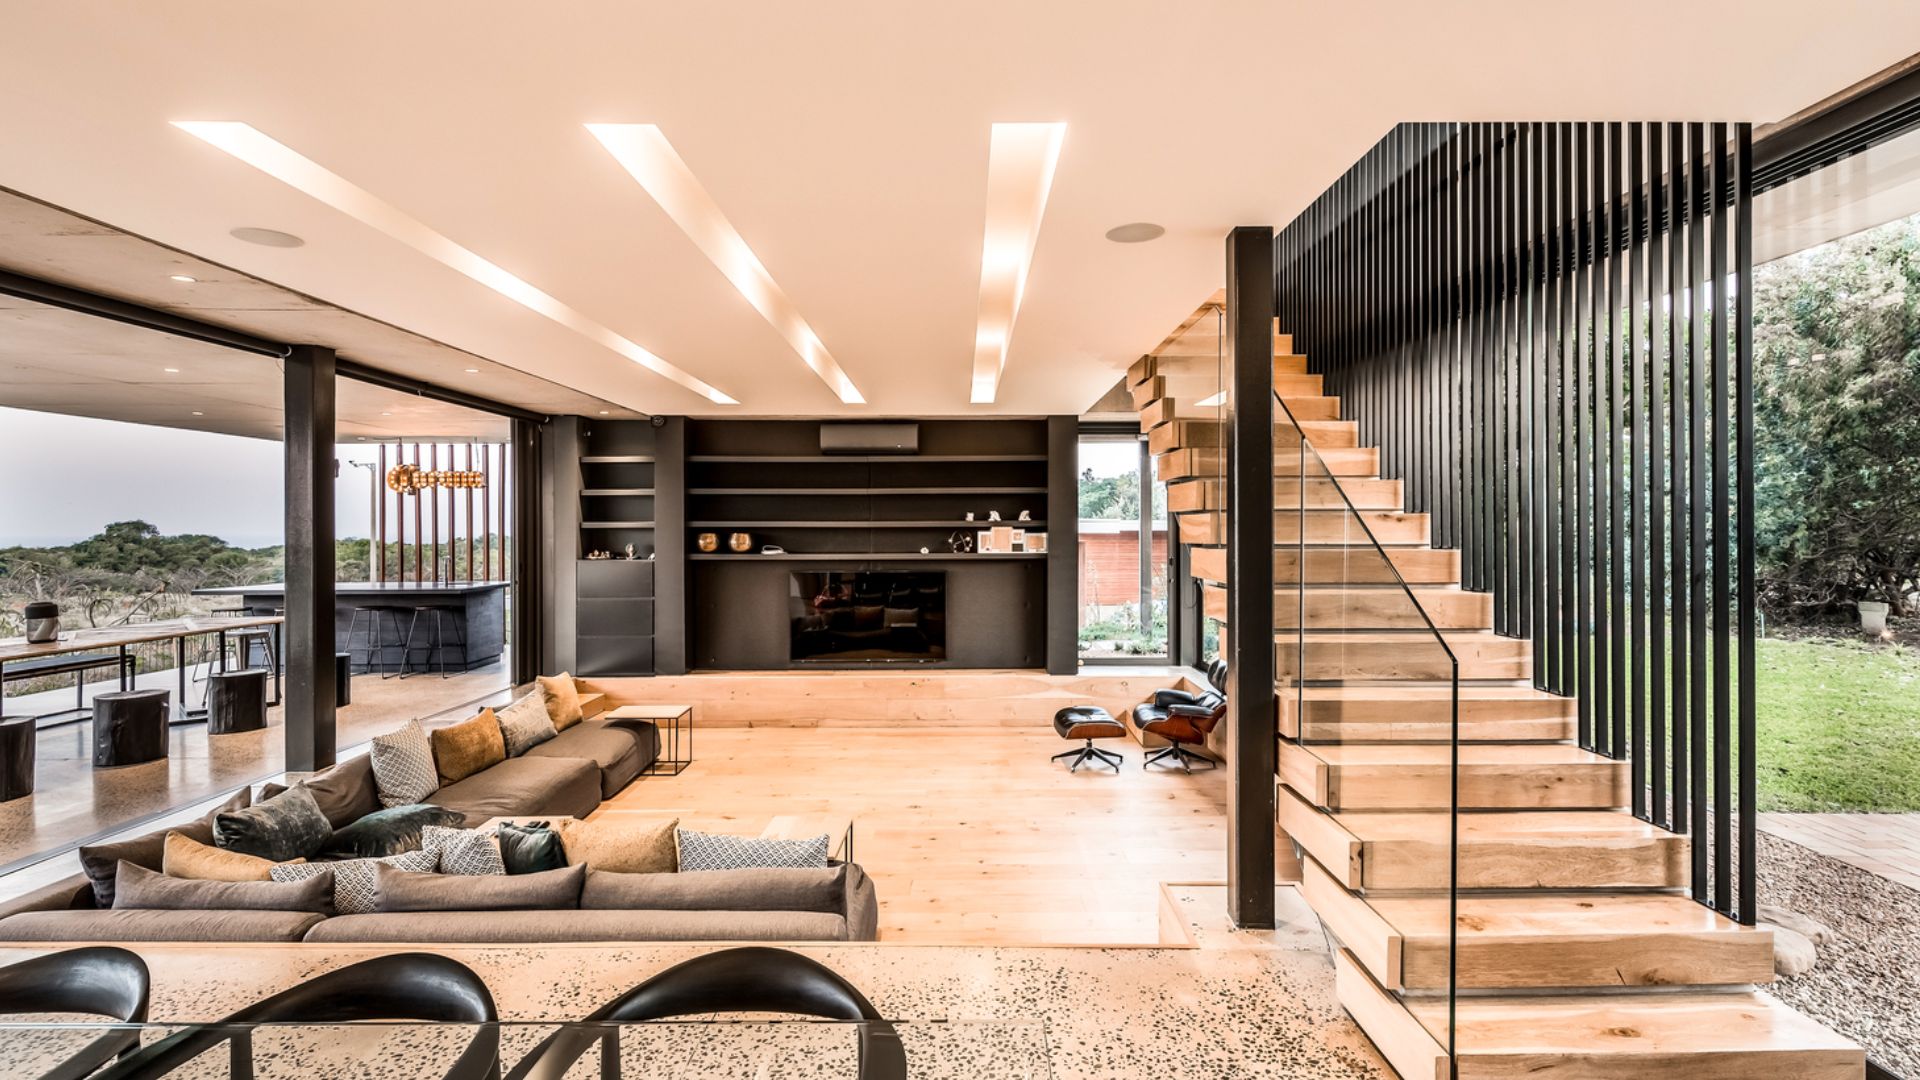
(566, 776)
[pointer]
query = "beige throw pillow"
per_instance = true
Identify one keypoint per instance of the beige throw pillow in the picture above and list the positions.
(621, 845)
(182, 856)
(467, 747)
(563, 700)
(525, 723)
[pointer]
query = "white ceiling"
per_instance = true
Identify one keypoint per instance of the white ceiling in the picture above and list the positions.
(846, 143)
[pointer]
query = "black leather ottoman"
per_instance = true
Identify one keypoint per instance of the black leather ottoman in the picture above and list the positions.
(1088, 722)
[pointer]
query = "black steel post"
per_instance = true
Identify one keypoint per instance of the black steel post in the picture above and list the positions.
(309, 383)
(1251, 729)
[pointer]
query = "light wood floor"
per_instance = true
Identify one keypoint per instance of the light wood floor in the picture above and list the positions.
(971, 837)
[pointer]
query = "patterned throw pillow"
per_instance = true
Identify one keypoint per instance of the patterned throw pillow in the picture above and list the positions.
(403, 768)
(353, 892)
(473, 852)
(525, 723)
(713, 851)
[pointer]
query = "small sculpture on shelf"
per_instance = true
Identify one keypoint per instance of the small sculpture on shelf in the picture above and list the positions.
(707, 542)
(993, 515)
(961, 543)
(596, 554)
(630, 555)
(924, 551)
(740, 542)
(1026, 515)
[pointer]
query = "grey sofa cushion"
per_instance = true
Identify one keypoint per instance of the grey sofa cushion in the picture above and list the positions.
(100, 862)
(524, 786)
(719, 890)
(620, 752)
(138, 888)
(287, 826)
(549, 890)
(513, 927)
(149, 925)
(345, 792)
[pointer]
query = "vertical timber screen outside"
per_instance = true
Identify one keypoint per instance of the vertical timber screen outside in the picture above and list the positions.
(1546, 329)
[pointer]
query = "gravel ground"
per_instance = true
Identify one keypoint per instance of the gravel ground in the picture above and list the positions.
(1867, 982)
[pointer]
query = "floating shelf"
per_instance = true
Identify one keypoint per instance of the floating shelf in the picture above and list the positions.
(871, 459)
(616, 491)
(616, 459)
(616, 524)
(816, 524)
(863, 556)
(870, 491)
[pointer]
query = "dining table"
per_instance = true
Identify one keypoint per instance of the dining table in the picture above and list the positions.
(122, 638)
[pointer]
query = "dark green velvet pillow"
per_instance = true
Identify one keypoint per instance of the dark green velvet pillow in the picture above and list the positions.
(287, 826)
(388, 832)
(530, 848)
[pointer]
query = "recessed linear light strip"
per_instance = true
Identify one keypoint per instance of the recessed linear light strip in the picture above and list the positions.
(651, 160)
(288, 166)
(1020, 164)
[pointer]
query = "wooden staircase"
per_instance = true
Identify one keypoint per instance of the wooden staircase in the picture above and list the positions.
(1576, 954)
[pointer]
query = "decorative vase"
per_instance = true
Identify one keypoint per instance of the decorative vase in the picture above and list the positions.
(740, 542)
(707, 542)
(1873, 616)
(43, 622)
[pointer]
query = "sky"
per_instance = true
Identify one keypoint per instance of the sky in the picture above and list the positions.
(63, 478)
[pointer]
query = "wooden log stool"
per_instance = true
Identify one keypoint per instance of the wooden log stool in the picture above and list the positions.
(236, 701)
(18, 745)
(1088, 722)
(129, 727)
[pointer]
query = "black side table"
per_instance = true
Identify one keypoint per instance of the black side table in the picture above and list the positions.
(19, 743)
(129, 727)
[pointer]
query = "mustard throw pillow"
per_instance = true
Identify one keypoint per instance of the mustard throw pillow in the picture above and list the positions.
(615, 843)
(467, 747)
(182, 856)
(563, 700)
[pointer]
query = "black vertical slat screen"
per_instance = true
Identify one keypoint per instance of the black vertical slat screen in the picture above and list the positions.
(1543, 328)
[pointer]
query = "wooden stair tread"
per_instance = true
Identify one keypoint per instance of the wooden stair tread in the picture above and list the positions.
(1726, 1035)
(1543, 914)
(1699, 1036)
(1546, 755)
(1432, 692)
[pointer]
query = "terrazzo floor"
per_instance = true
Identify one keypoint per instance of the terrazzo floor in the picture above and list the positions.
(1238, 1005)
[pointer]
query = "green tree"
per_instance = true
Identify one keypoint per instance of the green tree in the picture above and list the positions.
(1837, 413)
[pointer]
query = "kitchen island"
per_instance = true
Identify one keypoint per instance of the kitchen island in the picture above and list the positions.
(479, 608)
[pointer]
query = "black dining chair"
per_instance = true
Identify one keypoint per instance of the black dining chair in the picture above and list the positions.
(750, 979)
(401, 986)
(100, 981)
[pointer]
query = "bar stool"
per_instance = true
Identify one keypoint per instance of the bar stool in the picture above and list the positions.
(369, 628)
(438, 616)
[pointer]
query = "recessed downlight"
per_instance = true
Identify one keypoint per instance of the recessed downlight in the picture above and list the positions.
(1138, 232)
(606, 412)
(473, 371)
(652, 161)
(1020, 163)
(182, 279)
(197, 412)
(266, 237)
(303, 174)
(171, 370)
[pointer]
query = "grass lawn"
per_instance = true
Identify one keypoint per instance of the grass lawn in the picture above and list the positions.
(1839, 726)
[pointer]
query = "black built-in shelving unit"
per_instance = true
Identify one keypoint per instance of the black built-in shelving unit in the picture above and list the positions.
(770, 480)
